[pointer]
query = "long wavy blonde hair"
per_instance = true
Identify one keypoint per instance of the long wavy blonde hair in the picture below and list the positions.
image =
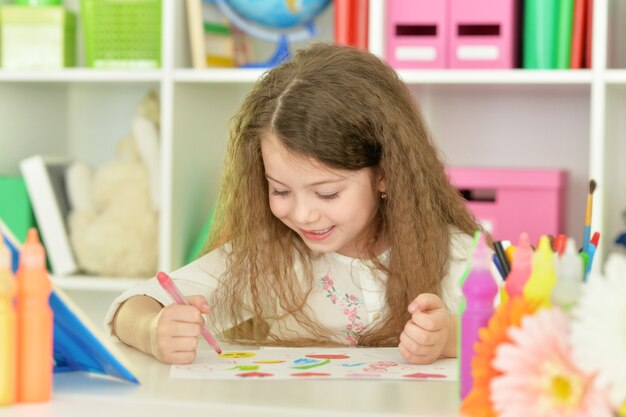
(349, 110)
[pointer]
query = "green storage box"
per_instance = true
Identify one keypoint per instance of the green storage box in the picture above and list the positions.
(122, 33)
(37, 37)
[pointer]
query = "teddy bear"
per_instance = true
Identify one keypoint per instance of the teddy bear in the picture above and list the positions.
(114, 210)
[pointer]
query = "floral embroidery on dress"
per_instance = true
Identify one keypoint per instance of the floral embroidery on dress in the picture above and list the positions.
(349, 305)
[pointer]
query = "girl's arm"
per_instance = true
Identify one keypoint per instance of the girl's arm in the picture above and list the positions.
(138, 318)
(168, 333)
(135, 322)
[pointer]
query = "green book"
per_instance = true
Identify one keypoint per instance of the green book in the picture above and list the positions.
(198, 245)
(540, 29)
(564, 34)
(15, 207)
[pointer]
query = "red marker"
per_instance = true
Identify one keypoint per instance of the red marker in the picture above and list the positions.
(168, 285)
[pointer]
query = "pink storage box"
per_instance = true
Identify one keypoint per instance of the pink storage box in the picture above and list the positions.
(417, 33)
(482, 33)
(511, 201)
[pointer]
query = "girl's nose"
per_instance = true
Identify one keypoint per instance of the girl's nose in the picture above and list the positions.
(304, 213)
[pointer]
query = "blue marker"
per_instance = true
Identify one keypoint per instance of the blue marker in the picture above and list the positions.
(496, 262)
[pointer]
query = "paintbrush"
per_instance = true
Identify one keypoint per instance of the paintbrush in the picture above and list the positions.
(587, 230)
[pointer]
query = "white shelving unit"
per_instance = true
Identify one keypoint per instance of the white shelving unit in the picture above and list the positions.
(572, 120)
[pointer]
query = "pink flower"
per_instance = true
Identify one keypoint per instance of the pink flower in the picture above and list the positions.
(333, 298)
(359, 327)
(328, 283)
(539, 377)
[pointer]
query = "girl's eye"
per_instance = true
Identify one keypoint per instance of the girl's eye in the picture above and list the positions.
(328, 196)
(280, 193)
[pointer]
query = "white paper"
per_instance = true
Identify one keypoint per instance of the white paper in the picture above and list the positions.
(313, 363)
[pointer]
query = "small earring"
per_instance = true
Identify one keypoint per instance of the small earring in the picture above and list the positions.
(383, 195)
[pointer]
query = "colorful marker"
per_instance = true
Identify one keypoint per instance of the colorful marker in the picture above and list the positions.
(496, 262)
(593, 247)
(504, 262)
(510, 251)
(168, 285)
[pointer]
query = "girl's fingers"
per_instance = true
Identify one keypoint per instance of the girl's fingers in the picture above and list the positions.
(419, 336)
(180, 358)
(180, 329)
(181, 313)
(182, 344)
(416, 358)
(200, 303)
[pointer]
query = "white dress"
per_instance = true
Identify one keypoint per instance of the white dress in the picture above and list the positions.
(347, 297)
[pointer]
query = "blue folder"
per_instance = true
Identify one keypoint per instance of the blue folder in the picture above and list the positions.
(77, 347)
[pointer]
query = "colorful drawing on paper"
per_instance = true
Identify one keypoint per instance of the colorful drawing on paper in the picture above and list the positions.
(237, 355)
(313, 363)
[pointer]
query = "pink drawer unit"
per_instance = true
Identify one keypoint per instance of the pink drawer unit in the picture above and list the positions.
(416, 33)
(511, 201)
(482, 33)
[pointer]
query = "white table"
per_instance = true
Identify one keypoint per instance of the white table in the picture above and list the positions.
(79, 394)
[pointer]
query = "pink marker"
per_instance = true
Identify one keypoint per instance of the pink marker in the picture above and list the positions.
(169, 286)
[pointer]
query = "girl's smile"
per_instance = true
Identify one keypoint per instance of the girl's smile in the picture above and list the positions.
(317, 235)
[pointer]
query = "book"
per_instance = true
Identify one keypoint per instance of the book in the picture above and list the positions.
(588, 54)
(578, 34)
(196, 33)
(200, 242)
(16, 209)
(12, 243)
(351, 23)
(45, 182)
(540, 34)
(213, 41)
(78, 344)
(563, 41)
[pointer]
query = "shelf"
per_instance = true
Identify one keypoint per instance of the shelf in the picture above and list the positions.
(91, 283)
(234, 75)
(81, 75)
(518, 76)
(581, 77)
(617, 76)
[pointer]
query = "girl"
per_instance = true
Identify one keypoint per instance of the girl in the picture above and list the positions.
(336, 224)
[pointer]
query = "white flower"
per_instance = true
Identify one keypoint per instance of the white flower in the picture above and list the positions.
(598, 329)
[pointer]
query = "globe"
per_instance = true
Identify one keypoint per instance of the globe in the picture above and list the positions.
(280, 21)
(279, 13)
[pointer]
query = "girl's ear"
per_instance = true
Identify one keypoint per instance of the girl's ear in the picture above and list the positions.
(381, 187)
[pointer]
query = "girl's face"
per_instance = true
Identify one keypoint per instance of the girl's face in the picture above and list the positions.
(330, 209)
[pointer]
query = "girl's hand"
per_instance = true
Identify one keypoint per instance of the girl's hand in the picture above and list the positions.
(174, 339)
(430, 333)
